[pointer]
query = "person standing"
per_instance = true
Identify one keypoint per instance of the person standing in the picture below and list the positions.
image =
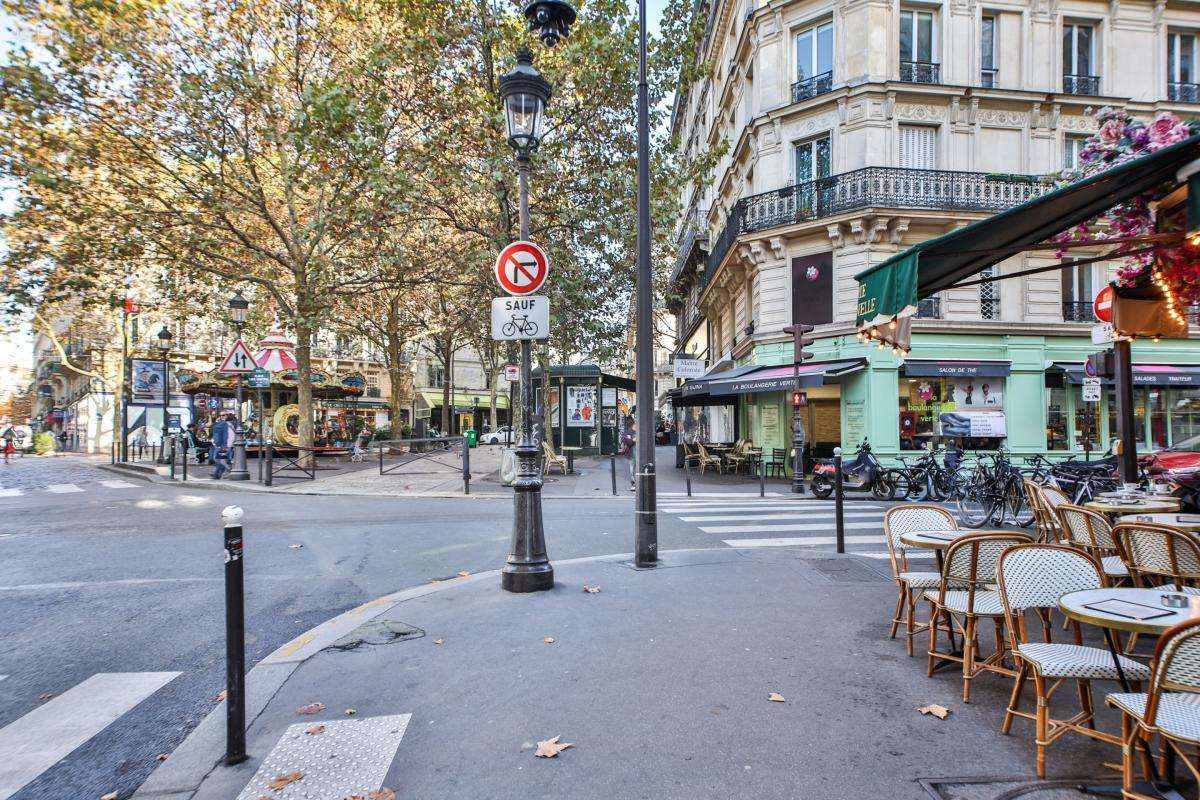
(222, 444)
(9, 445)
(629, 446)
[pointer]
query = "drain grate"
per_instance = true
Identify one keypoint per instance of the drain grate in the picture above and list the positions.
(377, 632)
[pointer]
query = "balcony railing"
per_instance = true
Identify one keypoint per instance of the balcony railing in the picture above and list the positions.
(1078, 311)
(929, 308)
(1081, 84)
(1183, 92)
(873, 187)
(987, 78)
(811, 87)
(920, 72)
(692, 240)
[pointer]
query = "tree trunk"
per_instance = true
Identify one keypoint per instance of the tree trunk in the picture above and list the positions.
(543, 355)
(396, 377)
(446, 356)
(304, 336)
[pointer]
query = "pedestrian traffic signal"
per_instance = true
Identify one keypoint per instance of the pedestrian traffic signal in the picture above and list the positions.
(799, 399)
(800, 339)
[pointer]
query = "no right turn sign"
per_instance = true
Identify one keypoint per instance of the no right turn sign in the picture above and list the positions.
(521, 268)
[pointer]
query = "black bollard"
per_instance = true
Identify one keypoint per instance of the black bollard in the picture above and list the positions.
(762, 479)
(174, 439)
(837, 499)
(612, 462)
(466, 467)
(687, 476)
(235, 639)
(185, 458)
(269, 478)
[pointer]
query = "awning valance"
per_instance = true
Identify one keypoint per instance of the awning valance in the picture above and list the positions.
(1143, 374)
(720, 388)
(432, 398)
(893, 287)
(921, 367)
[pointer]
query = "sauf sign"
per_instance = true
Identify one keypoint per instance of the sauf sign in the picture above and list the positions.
(516, 318)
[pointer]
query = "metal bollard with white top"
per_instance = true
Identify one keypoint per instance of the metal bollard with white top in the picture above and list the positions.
(837, 499)
(235, 639)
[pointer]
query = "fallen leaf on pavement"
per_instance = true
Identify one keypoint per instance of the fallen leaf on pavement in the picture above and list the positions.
(280, 781)
(315, 729)
(381, 794)
(591, 589)
(295, 546)
(464, 573)
(439, 641)
(776, 697)
(549, 640)
(45, 695)
(941, 712)
(551, 748)
(109, 796)
(163, 756)
(311, 708)
(221, 695)
(350, 712)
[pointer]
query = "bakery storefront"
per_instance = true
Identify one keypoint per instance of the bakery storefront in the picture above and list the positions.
(958, 401)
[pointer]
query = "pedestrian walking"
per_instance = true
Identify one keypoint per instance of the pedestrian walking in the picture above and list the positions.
(140, 441)
(10, 446)
(222, 444)
(629, 446)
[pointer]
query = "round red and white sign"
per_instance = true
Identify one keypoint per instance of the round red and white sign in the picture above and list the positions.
(521, 268)
(1102, 305)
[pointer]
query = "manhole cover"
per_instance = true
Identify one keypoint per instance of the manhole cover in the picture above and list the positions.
(1010, 788)
(375, 632)
(845, 570)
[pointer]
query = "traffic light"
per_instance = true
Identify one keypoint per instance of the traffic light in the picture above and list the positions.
(799, 399)
(1101, 365)
(799, 333)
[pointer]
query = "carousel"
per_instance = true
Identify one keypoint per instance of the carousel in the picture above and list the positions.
(275, 407)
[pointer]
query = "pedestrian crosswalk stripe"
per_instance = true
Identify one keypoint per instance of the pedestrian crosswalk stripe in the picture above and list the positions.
(802, 526)
(46, 735)
(797, 510)
(351, 757)
(63, 488)
(117, 484)
(11, 493)
(717, 494)
(738, 517)
(807, 540)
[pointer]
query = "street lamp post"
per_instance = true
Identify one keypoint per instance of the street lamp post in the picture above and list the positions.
(164, 349)
(237, 311)
(524, 93)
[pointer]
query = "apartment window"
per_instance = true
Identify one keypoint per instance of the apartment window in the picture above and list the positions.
(917, 48)
(1181, 68)
(1073, 145)
(989, 295)
(814, 62)
(1077, 293)
(437, 375)
(987, 52)
(918, 147)
(1079, 68)
(812, 159)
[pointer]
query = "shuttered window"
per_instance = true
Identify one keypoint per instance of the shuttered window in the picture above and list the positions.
(918, 147)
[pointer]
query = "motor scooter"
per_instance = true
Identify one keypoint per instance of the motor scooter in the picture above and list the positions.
(863, 473)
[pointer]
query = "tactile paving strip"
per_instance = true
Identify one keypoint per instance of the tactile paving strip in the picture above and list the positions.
(351, 756)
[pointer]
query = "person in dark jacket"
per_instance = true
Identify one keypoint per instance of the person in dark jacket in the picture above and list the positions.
(222, 445)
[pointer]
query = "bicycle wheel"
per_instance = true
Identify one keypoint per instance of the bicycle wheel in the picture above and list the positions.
(1018, 510)
(919, 485)
(884, 487)
(976, 506)
(899, 480)
(508, 329)
(531, 329)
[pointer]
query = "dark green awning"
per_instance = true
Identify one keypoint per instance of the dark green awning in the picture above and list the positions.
(893, 287)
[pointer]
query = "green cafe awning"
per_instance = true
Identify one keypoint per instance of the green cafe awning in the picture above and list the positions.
(893, 287)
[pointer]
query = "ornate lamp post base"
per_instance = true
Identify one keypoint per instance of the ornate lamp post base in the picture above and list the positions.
(528, 567)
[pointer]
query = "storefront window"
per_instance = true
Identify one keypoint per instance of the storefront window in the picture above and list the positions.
(969, 411)
(1156, 402)
(706, 423)
(1143, 397)
(1185, 419)
(1056, 420)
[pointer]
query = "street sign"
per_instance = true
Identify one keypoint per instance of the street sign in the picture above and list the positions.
(1102, 305)
(512, 373)
(689, 367)
(1089, 368)
(521, 268)
(259, 378)
(238, 360)
(1102, 333)
(517, 318)
(1091, 390)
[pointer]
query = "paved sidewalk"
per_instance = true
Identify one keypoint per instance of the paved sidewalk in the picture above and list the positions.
(660, 681)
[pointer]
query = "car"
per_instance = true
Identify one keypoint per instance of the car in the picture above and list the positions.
(498, 436)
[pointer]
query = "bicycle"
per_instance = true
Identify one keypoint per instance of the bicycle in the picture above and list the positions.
(522, 324)
(994, 493)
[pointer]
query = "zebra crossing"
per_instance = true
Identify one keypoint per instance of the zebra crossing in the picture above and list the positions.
(64, 488)
(746, 521)
(43, 737)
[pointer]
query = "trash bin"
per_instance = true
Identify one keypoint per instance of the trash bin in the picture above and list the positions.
(472, 437)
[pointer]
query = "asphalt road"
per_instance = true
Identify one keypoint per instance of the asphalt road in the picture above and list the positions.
(122, 579)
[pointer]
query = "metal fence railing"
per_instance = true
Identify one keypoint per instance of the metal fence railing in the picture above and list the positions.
(304, 461)
(446, 454)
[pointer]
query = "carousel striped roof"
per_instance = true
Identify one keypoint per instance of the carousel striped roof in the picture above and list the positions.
(276, 352)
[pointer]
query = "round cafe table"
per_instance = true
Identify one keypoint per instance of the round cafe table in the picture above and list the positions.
(1145, 505)
(1075, 606)
(1189, 522)
(570, 453)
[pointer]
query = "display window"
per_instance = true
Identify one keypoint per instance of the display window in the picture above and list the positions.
(967, 410)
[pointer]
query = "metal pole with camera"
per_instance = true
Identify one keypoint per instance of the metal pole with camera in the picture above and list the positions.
(237, 311)
(800, 339)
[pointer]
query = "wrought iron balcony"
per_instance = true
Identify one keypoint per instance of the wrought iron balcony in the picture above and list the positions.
(987, 78)
(1183, 92)
(1078, 311)
(811, 87)
(920, 72)
(929, 308)
(873, 187)
(1081, 84)
(692, 241)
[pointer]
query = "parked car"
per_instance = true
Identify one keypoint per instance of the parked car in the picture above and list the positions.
(498, 436)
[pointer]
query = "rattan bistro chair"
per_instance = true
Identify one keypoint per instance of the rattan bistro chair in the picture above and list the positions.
(1171, 708)
(1052, 497)
(1154, 552)
(970, 561)
(1032, 578)
(903, 519)
(707, 460)
(1093, 534)
(1043, 516)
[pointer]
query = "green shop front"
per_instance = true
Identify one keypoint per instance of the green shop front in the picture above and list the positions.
(586, 405)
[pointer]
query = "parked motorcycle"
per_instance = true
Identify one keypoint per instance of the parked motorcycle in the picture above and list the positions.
(863, 473)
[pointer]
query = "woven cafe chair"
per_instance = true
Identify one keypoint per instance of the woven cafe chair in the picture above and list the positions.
(899, 520)
(963, 598)
(691, 456)
(707, 460)
(1032, 578)
(1171, 707)
(776, 466)
(553, 459)
(1157, 552)
(737, 458)
(1043, 516)
(1053, 497)
(1093, 533)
